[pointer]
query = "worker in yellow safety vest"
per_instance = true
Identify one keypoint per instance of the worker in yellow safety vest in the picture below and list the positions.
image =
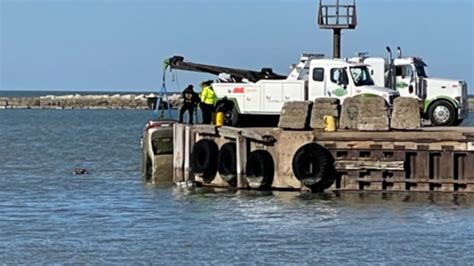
(208, 100)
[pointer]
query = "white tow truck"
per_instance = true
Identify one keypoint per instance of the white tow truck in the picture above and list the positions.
(445, 101)
(247, 92)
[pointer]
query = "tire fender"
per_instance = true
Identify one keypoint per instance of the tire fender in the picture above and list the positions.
(204, 159)
(227, 162)
(260, 169)
(313, 166)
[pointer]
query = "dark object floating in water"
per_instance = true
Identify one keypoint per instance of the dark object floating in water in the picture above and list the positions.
(80, 171)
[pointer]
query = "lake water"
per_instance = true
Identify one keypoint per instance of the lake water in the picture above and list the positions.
(48, 215)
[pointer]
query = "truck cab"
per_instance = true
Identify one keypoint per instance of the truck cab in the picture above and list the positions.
(341, 79)
(445, 101)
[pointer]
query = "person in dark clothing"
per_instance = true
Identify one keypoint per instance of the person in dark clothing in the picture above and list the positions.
(190, 101)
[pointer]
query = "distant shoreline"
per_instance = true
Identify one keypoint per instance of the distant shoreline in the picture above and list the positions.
(98, 100)
(89, 101)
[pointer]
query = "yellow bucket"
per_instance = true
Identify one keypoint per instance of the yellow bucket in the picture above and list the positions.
(329, 123)
(219, 119)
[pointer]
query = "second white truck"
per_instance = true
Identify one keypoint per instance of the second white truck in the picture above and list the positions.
(445, 101)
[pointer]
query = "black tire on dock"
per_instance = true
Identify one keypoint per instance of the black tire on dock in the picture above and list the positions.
(227, 162)
(204, 159)
(260, 169)
(313, 166)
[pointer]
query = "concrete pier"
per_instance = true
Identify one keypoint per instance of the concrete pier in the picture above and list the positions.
(432, 159)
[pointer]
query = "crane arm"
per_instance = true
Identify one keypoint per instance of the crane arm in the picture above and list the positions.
(178, 62)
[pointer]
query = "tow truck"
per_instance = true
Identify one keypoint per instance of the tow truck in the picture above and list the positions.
(249, 92)
(445, 101)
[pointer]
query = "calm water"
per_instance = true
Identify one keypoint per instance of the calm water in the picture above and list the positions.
(48, 215)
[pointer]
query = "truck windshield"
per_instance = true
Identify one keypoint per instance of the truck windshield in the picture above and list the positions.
(420, 71)
(361, 76)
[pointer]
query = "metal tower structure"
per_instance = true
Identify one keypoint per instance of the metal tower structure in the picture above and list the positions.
(337, 17)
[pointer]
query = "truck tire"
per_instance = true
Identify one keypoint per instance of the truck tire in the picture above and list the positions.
(313, 166)
(204, 159)
(442, 113)
(231, 116)
(227, 162)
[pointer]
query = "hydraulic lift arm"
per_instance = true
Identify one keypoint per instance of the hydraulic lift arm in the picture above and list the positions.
(178, 62)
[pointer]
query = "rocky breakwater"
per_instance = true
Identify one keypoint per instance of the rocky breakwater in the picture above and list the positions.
(77, 101)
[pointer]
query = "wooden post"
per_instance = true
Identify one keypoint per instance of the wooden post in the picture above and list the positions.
(420, 168)
(447, 170)
(469, 171)
(241, 144)
(188, 147)
(178, 151)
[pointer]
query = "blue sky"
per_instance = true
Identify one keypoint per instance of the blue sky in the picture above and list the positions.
(120, 45)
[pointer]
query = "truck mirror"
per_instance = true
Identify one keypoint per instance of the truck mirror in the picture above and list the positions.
(344, 80)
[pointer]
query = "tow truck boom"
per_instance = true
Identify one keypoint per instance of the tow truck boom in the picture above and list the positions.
(178, 62)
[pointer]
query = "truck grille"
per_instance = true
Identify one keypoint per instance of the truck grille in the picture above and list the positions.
(464, 99)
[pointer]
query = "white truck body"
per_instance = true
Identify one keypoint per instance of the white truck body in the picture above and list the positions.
(311, 78)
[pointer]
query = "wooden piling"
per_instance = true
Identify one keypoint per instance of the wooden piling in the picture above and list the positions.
(188, 147)
(178, 152)
(242, 151)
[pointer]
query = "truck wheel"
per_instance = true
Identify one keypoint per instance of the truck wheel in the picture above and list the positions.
(442, 113)
(231, 116)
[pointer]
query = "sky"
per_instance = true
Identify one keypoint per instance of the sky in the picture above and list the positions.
(119, 45)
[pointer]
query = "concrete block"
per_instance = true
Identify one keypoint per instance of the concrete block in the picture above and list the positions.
(373, 123)
(406, 114)
(349, 114)
(367, 100)
(295, 115)
(327, 100)
(321, 108)
(367, 113)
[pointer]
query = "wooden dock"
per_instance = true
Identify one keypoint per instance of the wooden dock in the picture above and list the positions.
(432, 159)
